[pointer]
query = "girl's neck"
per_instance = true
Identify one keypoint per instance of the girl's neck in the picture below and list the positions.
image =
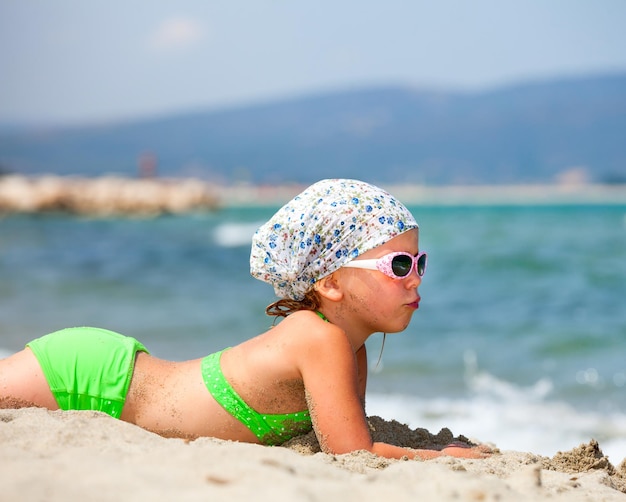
(357, 340)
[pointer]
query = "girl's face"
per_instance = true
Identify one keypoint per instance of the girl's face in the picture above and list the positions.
(375, 301)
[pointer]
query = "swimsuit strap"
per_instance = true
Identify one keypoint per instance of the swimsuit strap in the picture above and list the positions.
(322, 315)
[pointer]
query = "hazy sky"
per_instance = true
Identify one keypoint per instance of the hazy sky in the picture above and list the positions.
(76, 60)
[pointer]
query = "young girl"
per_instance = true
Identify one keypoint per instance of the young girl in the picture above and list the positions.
(344, 259)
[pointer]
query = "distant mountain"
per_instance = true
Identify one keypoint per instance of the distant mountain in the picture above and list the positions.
(534, 132)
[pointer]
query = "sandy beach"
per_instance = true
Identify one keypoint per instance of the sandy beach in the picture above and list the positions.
(73, 455)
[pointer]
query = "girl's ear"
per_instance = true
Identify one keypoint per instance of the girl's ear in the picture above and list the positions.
(329, 288)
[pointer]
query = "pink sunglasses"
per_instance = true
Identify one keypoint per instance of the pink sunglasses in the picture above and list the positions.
(395, 265)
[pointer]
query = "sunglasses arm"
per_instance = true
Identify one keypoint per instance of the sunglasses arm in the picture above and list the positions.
(366, 264)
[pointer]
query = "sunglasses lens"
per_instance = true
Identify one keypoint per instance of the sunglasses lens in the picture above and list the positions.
(421, 265)
(401, 265)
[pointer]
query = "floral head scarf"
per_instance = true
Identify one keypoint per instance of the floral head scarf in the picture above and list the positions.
(318, 231)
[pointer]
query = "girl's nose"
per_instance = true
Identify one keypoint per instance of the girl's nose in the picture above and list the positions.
(413, 280)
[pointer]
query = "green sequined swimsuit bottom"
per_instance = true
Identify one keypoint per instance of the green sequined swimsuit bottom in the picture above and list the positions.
(88, 368)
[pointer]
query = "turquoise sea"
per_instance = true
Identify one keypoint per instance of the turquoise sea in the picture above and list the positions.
(520, 338)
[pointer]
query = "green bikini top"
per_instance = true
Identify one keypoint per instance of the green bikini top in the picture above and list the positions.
(271, 429)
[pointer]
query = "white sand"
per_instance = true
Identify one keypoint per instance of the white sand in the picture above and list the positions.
(59, 456)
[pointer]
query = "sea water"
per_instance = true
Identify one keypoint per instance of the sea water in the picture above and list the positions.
(520, 339)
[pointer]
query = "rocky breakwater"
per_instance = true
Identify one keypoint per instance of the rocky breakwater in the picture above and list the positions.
(105, 196)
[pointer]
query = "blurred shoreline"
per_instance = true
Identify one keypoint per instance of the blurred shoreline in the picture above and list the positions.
(447, 195)
(118, 196)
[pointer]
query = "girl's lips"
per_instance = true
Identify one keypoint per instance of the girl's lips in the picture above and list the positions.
(415, 304)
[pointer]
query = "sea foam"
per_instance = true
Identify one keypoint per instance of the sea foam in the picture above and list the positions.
(510, 416)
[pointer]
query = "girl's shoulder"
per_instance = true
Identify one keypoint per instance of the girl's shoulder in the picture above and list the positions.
(310, 327)
(313, 337)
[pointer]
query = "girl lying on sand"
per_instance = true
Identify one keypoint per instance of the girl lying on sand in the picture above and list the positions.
(344, 259)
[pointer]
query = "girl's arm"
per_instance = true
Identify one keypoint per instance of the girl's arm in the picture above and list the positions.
(453, 450)
(330, 372)
(334, 384)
